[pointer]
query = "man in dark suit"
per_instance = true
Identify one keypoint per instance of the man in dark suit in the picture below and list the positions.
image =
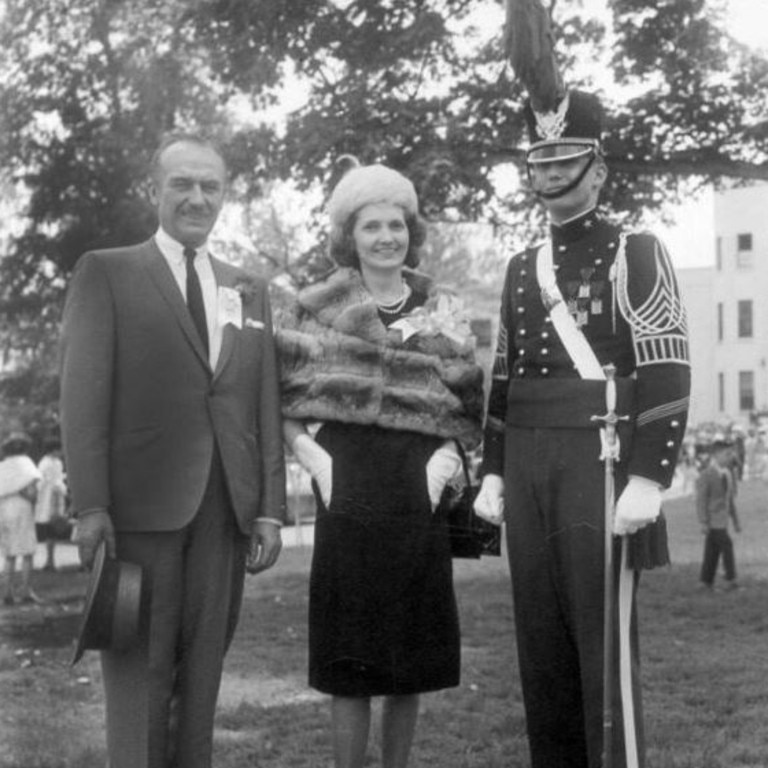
(172, 435)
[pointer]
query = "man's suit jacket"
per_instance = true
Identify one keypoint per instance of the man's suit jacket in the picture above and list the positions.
(141, 407)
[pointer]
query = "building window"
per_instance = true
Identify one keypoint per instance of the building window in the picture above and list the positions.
(721, 392)
(746, 390)
(720, 321)
(744, 250)
(719, 253)
(745, 319)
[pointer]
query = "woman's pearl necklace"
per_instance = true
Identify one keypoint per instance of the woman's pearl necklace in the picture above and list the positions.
(393, 307)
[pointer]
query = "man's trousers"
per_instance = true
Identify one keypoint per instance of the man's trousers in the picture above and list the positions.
(718, 542)
(161, 696)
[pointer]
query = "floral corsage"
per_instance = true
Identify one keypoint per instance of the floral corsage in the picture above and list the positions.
(247, 287)
(447, 316)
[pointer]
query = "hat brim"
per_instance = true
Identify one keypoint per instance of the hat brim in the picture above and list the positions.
(560, 150)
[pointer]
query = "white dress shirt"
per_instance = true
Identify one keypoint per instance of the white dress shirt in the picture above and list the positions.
(173, 251)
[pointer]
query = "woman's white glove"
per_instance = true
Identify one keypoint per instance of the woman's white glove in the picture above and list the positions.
(638, 506)
(317, 461)
(489, 503)
(443, 465)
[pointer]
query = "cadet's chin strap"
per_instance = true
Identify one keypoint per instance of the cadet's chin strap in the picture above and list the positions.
(565, 190)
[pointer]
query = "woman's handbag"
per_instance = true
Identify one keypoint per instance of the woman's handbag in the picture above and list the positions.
(60, 528)
(470, 535)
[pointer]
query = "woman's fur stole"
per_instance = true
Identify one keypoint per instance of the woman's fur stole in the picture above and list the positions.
(339, 362)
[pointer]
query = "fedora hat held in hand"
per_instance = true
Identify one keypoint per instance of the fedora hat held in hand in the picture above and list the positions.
(112, 606)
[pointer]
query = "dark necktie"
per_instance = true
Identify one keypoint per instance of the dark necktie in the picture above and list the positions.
(195, 297)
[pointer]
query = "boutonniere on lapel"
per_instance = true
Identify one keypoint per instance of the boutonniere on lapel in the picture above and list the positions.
(247, 288)
(230, 307)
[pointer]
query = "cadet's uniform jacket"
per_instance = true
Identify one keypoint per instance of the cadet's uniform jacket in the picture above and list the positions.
(630, 312)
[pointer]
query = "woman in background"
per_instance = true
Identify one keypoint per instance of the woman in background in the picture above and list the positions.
(51, 522)
(384, 362)
(18, 491)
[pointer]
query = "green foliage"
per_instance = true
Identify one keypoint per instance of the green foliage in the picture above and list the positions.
(89, 88)
(701, 95)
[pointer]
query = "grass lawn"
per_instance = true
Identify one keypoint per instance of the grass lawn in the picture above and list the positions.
(704, 670)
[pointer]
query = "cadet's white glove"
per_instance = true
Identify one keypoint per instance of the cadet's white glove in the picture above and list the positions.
(317, 461)
(638, 505)
(489, 503)
(443, 465)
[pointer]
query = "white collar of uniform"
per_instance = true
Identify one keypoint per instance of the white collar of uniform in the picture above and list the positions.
(583, 214)
(173, 250)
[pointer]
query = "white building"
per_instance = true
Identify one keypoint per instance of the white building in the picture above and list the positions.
(728, 312)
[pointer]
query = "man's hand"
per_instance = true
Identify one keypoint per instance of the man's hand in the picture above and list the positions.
(443, 465)
(265, 547)
(489, 503)
(317, 461)
(90, 530)
(638, 506)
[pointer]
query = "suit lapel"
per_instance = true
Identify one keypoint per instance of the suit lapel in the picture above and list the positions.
(163, 278)
(224, 279)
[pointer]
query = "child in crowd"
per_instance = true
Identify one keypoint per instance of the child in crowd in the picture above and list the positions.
(715, 505)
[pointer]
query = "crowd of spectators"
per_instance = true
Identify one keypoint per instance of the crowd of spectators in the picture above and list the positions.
(33, 510)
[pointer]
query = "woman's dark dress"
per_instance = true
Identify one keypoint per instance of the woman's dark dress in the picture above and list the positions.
(382, 616)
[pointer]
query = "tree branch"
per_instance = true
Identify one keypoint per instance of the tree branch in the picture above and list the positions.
(672, 166)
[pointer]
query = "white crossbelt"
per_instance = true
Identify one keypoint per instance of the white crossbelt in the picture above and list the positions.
(573, 339)
(588, 367)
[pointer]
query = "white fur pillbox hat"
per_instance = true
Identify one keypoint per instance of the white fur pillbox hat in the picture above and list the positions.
(369, 185)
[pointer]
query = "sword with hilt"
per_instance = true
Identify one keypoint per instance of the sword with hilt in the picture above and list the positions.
(609, 454)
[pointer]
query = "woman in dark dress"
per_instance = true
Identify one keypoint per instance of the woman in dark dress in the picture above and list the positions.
(384, 362)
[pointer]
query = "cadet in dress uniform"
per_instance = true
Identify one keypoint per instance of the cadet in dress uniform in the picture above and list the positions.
(542, 469)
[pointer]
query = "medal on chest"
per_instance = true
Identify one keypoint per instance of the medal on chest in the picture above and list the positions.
(584, 296)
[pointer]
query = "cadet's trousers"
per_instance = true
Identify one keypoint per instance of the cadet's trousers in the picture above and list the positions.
(554, 499)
